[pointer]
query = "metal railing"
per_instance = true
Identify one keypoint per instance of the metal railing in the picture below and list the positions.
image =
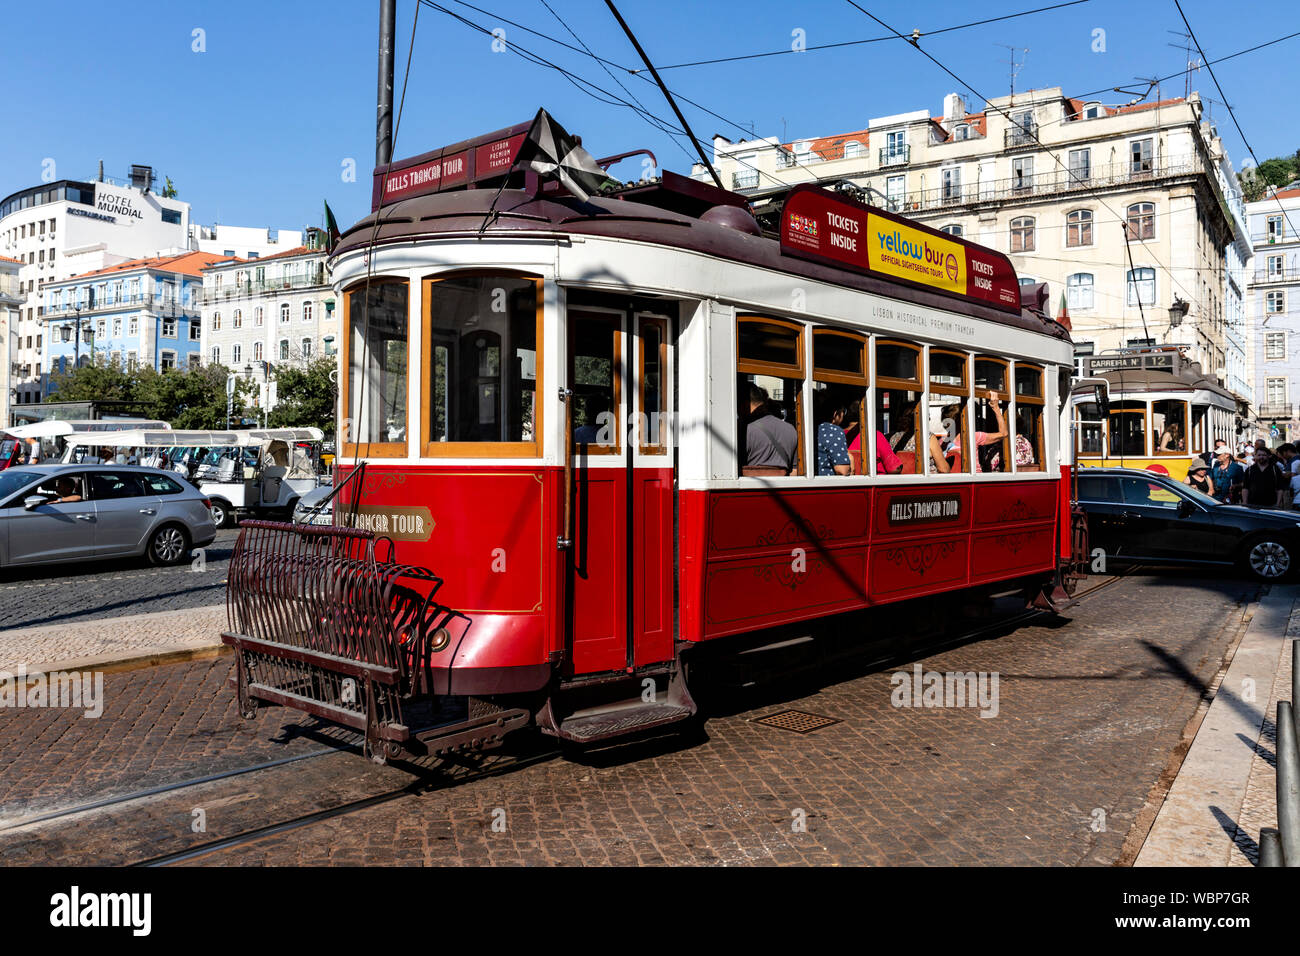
(1053, 182)
(231, 290)
(1018, 137)
(1277, 275)
(747, 179)
(1275, 410)
(1281, 846)
(160, 305)
(897, 156)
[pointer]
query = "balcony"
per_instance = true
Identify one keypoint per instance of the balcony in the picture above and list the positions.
(159, 305)
(1276, 275)
(1274, 410)
(746, 179)
(1020, 137)
(233, 290)
(1055, 182)
(895, 156)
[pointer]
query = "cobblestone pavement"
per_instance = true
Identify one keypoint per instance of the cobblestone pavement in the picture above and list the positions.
(1088, 712)
(93, 590)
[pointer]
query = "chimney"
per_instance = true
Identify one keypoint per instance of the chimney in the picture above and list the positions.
(100, 177)
(954, 108)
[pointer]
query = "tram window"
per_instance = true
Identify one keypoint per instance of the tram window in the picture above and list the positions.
(949, 390)
(1127, 429)
(1029, 419)
(1090, 428)
(1169, 427)
(653, 424)
(480, 376)
(993, 450)
(376, 364)
(1199, 440)
(594, 376)
(899, 407)
(840, 383)
(769, 385)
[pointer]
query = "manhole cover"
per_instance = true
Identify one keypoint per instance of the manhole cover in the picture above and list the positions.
(800, 721)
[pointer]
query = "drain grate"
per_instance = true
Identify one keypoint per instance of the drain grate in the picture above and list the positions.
(799, 721)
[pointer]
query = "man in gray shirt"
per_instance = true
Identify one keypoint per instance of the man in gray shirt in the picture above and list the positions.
(770, 442)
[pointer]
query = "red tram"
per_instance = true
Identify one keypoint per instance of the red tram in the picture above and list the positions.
(556, 491)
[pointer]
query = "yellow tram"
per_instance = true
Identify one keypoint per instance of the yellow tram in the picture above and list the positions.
(1161, 412)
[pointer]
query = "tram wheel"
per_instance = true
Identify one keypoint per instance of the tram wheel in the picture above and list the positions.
(1267, 558)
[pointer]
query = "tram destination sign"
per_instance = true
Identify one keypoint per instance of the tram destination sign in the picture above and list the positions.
(1116, 363)
(825, 227)
(924, 509)
(459, 166)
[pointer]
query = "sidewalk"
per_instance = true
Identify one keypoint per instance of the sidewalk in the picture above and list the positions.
(1225, 789)
(119, 643)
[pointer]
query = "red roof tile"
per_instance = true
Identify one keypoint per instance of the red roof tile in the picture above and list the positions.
(7, 259)
(1287, 193)
(295, 251)
(189, 263)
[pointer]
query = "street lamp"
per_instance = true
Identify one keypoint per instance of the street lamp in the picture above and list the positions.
(1177, 312)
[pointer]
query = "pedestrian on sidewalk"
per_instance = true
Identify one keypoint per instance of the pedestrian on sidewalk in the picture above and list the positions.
(1262, 485)
(1198, 477)
(1227, 476)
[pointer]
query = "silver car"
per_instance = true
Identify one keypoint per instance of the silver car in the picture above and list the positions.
(55, 513)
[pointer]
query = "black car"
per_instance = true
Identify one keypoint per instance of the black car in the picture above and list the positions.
(1141, 516)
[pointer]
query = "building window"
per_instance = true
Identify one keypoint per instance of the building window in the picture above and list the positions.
(895, 187)
(169, 328)
(1139, 152)
(166, 359)
(196, 329)
(257, 351)
(852, 149)
(237, 320)
(1141, 287)
(1141, 222)
(258, 318)
(1082, 352)
(1275, 391)
(1275, 302)
(953, 229)
(101, 329)
(117, 328)
(1078, 228)
(284, 312)
(216, 355)
(216, 321)
(1275, 267)
(306, 348)
(329, 345)
(1091, 111)
(962, 131)
(171, 216)
(306, 311)
(192, 360)
(1275, 346)
(133, 326)
(236, 353)
(1022, 173)
(284, 350)
(1022, 234)
(895, 147)
(952, 184)
(1274, 224)
(1078, 291)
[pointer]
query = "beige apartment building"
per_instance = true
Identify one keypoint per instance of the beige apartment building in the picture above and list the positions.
(1057, 184)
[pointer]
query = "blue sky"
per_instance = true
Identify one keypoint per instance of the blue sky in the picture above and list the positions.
(255, 129)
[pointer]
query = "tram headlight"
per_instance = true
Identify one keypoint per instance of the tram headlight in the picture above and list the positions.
(440, 639)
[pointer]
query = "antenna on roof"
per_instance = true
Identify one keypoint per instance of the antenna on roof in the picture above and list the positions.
(1194, 64)
(1015, 67)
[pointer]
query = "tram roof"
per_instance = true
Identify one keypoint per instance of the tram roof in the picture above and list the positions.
(1132, 381)
(463, 213)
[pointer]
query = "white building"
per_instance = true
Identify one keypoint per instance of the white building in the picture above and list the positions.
(63, 228)
(243, 242)
(273, 310)
(1067, 188)
(11, 301)
(1273, 305)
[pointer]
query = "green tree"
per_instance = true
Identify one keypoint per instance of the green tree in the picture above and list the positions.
(1277, 171)
(306, 395)
(99, 379)
(193, 398)
(169, 191)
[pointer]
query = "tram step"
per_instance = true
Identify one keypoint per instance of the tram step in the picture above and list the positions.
(588, 727)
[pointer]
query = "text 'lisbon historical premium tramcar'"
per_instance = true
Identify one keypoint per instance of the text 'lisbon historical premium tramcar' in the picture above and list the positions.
(583, 440)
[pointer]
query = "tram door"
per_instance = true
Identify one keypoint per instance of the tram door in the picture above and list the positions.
(618, 568)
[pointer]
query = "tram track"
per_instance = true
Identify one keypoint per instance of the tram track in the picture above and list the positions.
(423, 784)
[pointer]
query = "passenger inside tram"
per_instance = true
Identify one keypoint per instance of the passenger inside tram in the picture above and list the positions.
(832, 448)
(771, 442)
(982, 438)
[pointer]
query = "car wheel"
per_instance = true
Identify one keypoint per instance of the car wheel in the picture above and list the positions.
(168, 545)
(1267, 558)
(221, 514)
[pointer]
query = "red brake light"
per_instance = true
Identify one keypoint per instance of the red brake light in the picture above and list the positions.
(207, 504)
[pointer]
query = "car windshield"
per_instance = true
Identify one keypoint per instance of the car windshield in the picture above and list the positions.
(14, 478)
(1200, 497)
